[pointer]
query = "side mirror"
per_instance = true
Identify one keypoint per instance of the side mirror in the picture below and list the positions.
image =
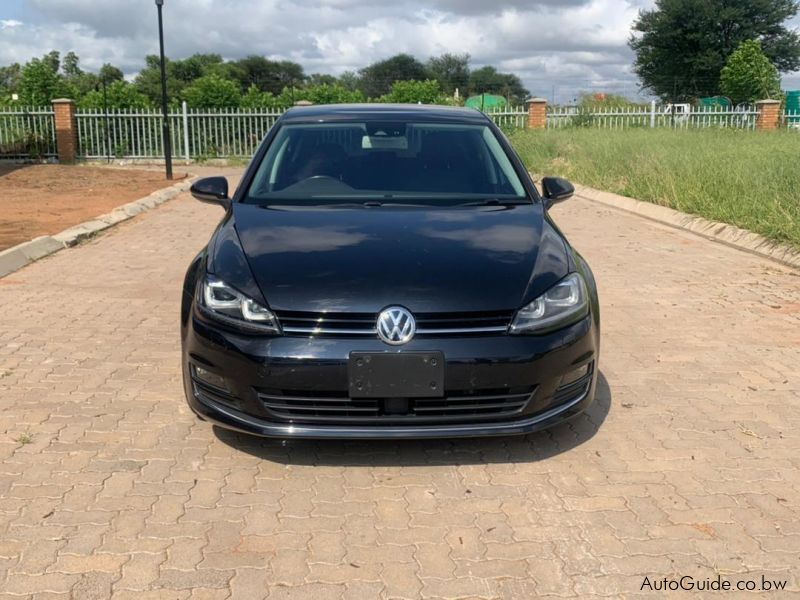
(556, 189)
(213, 190)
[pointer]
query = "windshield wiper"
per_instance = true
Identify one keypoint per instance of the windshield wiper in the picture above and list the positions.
(494, 202)
(371, 204)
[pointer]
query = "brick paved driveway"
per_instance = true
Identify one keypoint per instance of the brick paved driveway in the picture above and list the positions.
(687, 464)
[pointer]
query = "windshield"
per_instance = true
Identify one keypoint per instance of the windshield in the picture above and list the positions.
(408, 163)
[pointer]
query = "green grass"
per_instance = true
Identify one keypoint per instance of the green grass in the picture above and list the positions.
(746, 178)
(25, 438)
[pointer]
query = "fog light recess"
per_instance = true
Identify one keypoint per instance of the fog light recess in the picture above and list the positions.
(209, 378)
(576, 374)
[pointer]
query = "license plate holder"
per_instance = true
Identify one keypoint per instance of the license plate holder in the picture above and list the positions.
(396, 374)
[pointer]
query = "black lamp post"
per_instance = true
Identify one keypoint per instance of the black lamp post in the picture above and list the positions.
(164, 108)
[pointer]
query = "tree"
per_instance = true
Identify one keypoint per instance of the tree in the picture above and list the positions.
(377, 79)
(212, 91)
(109, 73)
(349, 80)
(53, 60)
(681, 46)
(321, 79)
(148, 81)
(268, 75)
(255, 98)
(77, 83)
(119, 94)
(198, 65)
(40, 83)
(332, 94)
(10, 78)
(749, 75)
(413, 92)
(451, 71)
(180, 74)
(488, 80)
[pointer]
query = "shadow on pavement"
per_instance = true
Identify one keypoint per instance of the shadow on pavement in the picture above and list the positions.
(407, 453)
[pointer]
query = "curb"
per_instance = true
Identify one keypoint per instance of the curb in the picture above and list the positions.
(23, 254)
(730, 235)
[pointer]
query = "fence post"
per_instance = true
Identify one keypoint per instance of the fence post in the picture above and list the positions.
(537, 113)
(185, 130)
(652, 114)
(768, 114)
(66, 126)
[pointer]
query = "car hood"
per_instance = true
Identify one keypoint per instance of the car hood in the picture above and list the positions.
(455, 259)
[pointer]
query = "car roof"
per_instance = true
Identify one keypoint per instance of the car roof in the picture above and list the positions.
(381, 112)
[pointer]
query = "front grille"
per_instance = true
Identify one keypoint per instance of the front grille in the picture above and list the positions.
(363, 324)
(335, 408)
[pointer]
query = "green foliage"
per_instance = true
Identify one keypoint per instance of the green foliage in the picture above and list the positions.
(749, 75)
(197, 66)
(109, 73)
(451, 71)
(316, 79)
(349, 80)
(207, 80)
(267, 75)
(255, 98)
(332, 94)
(700, 171)
(290, 95)
(377, 79)
(148, 81)
(413, 92)
(180, 74)
(212, 91)
(681, 46)
(10, 79)
(23, 141)
(40, 83)
(119, 94)
(488, 80)
(53, 60)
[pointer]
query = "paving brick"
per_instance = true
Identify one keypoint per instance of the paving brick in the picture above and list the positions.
(688, 459)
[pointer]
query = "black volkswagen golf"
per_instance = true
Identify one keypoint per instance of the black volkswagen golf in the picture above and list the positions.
(387, 272)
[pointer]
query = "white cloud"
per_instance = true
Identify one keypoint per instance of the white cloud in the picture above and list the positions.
(563, 44)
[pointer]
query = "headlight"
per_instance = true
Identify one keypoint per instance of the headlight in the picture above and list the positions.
(563, 304)
(231, 306)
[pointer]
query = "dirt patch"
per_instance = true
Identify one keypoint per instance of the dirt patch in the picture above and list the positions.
(45, 199)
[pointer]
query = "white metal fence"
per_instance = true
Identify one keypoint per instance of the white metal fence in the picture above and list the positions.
(195, 133)
(682, 116)
(511, 116)
(791, 119)
(207, 133)
(27, 133)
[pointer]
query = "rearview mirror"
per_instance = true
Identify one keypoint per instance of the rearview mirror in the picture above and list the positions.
(556, 189)
(213, 190)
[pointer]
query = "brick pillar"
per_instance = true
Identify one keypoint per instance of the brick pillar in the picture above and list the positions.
(66, 130)
(537, 113)
(769, 114)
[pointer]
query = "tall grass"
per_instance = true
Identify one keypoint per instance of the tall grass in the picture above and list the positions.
(747, 178)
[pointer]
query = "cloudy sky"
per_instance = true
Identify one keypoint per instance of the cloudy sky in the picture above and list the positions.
(556, 46)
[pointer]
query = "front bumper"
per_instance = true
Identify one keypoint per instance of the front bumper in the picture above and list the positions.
(255, 366)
